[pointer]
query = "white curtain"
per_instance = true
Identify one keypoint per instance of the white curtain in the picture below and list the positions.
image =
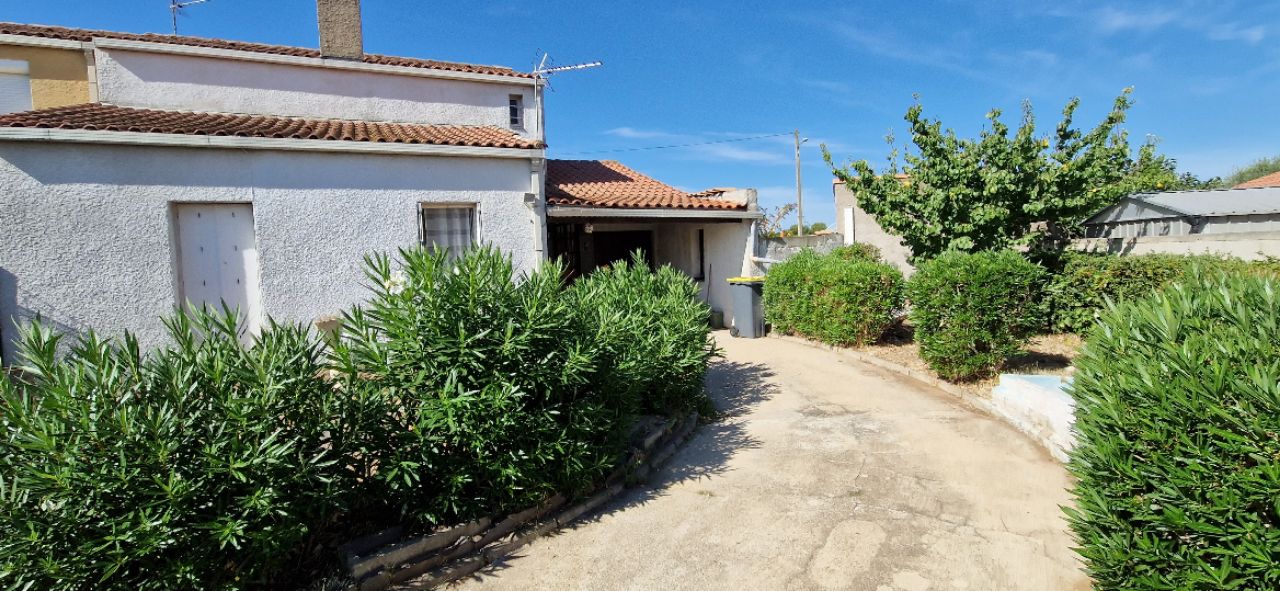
(448, 228)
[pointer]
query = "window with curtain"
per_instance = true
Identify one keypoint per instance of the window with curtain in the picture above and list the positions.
(451, 227)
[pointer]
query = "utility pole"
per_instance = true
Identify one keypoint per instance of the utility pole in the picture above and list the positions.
(799, 194)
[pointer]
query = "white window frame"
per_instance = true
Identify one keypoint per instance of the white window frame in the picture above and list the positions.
(424, 208)
(515, 110)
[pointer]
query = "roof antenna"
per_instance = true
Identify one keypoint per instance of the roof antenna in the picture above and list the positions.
(541, 72)
(176, 7)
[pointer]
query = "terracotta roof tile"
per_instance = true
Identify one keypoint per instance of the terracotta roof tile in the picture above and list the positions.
(85, 35)
(1271, 180)
(95, 116)
(607, 183)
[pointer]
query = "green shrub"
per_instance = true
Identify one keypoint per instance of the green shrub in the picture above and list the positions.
(1178, 459)
(458, 391)
(789, 292)
(204, 465)
(649, 333)
(1078, 294)
(857, 251)
(484, 385)
(973, 310)
(841, 298)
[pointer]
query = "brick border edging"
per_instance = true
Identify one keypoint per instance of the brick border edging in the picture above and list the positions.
(380, 562)
(966, 397)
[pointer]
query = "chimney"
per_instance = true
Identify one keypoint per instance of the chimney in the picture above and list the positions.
(340, 35)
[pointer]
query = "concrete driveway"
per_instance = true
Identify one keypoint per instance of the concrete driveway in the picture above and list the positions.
(824, 474)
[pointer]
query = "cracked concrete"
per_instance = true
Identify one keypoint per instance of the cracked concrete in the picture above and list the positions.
(824, 474)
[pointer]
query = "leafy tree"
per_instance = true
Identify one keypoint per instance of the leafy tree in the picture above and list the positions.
(1006, 187)
(1259, 168)
(808, 228)
(771, 219)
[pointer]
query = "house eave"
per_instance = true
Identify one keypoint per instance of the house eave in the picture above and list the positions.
(313, 62)
(131, 138)
(575, 211)
(48, 42)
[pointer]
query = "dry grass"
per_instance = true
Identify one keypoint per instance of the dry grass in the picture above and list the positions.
(1045, 354)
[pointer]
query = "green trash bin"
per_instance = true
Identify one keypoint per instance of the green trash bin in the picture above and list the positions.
(748, 313)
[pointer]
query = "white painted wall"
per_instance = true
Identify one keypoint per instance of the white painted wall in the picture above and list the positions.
(726, 254)
(1246, 245)
(87, 232)
(182, 82)
(727, 250)
(1039, 406)
(866, 230)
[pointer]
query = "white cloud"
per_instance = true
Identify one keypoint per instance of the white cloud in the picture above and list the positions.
(1115, 20)
(643, 134)
(1237, 32)
(1110, 20)
(733, 153)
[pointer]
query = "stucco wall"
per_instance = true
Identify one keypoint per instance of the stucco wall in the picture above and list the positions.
(866, 230)
(59, 77)
(1246, 245)
(165, 81)
(87, 243)
(785, 247)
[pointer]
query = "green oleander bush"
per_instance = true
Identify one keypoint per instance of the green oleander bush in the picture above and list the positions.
(206, 464)
(971, 311)
(847, 297)
(1079, 293)
(649, 333)
(458, 390)
(1178, 459)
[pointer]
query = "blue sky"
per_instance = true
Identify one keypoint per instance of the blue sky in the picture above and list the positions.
(1206, 74)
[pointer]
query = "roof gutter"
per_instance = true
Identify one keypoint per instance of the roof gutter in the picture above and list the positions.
(132, 138)
(313, 62)
(48, 42)
(574, 211)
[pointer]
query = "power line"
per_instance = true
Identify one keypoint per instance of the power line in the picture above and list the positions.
(739, 139)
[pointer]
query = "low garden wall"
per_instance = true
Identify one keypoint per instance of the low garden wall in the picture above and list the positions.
(390, 560)
(1039, 406)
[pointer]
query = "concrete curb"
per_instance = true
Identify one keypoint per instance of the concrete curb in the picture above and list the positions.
(984, 405)
(428, 561)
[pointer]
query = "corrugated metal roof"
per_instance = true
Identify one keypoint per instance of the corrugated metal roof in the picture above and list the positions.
(1208, 203)
(1218, 202)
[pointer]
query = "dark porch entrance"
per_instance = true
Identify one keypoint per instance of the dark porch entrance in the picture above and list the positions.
(584, 251)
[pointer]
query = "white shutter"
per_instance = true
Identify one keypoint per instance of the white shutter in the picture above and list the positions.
(15, 87)
(219, 258)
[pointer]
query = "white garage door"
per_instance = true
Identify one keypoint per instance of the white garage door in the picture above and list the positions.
(218, 258)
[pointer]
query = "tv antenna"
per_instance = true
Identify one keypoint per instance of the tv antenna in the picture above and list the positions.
(541, 72)
(543, 69)
(176, 7)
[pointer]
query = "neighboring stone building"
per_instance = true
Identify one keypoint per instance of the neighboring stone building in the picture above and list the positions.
(856, 225)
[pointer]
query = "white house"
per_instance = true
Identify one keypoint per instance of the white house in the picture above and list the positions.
(159, 169)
